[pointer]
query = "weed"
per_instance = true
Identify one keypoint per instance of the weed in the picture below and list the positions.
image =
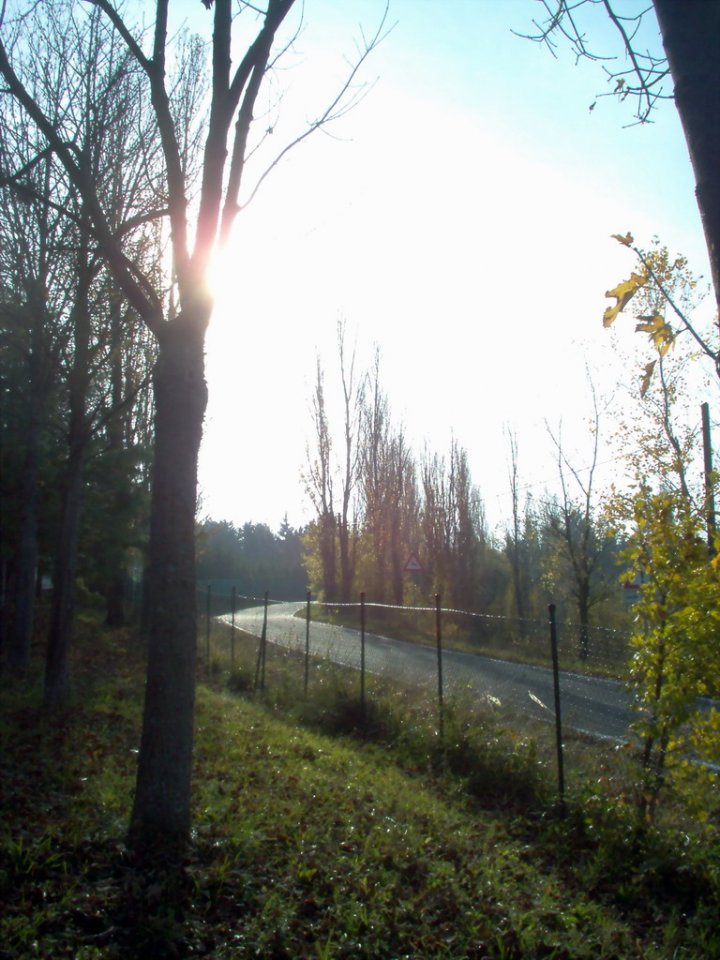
(240, 681)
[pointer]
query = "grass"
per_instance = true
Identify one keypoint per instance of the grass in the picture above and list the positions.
(325, 832)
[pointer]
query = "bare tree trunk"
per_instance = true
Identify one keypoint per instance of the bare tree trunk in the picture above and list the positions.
(396, 558)
(328, 554)
(21, 595)
(690, 30)
(162, 799)
(584, 615)
(63, 602)
(345, 566)
(514, 541)
(115, 584)
(352, 398)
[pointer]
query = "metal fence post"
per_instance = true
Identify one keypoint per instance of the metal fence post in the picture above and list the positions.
(307, 643)
(208, 602)
(260, 665)
(264, 641)
(362, 654)
(558, 720)
(438, 636)
(232, 629)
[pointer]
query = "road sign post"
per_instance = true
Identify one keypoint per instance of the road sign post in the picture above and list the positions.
(413, 565)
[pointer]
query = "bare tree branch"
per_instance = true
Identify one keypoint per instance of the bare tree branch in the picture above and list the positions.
(119, 24)
(248, 77)
(141, 296)
(155, 71)
(642, 81)
(337, 108)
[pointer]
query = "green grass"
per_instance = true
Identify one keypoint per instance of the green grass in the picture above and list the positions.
(323, 833)
(505, 749)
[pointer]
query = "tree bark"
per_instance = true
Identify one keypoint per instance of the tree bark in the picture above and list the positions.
(328, 556)
(584, 615)
(396, 557)
(21, 598)
(115, 582)
(21, 595)
(63, 602)
(161, 811)
(345, 566)
(690, 32)
(514, 542)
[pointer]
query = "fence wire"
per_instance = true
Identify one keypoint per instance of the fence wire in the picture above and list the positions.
(502, 663)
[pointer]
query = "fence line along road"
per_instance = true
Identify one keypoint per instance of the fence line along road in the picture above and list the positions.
(592, 705)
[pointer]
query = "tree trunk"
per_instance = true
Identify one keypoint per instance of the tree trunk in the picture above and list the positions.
(327, 556)
(63, 603)
(345, 567)
(584, 615)
(690, 32)
(161, 812)
(115, 581)
(21, 596)
(380, 547)
(396, 557)
(63, 599)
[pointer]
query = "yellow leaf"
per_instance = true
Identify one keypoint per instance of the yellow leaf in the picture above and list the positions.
(649, 367)
(627, 241)
(661, 334)
(648, 324)
(623, 293)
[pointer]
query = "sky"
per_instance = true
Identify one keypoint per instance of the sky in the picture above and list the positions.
(459, 218)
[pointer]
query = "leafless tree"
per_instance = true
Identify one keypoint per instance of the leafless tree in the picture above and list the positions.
(35, 264)
(319, 480)
(161, 812)
(576, 528)
(514, 537)
(353, 385)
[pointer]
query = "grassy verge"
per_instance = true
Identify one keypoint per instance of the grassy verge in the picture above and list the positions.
(496, 748)
(323, 834)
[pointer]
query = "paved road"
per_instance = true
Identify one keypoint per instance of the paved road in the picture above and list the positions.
(588, 704)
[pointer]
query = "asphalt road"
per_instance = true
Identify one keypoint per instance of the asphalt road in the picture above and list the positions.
(588, 704)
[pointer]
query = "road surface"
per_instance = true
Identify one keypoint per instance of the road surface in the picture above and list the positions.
(591, 705)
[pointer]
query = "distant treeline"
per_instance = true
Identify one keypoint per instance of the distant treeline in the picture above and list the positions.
(251, 558)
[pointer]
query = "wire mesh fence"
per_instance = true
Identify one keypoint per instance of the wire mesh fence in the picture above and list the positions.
(504, 664)
(592, 649)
